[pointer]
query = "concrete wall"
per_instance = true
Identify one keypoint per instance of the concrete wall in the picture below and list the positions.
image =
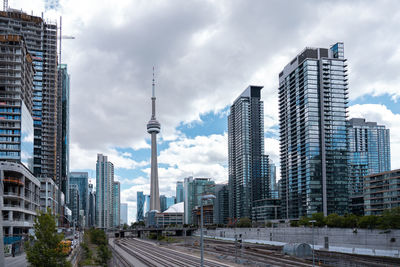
(372, 239)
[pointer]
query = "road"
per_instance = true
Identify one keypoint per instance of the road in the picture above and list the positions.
(149, 254)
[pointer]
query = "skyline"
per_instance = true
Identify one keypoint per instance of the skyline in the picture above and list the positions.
(193, 99)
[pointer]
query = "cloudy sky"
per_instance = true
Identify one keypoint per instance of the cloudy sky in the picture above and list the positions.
(205, 54)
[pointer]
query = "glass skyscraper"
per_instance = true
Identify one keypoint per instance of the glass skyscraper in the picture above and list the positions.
(104, 192)
(41, 41)
(124, 213)
(140, 200)
(179, 192)
(248, 166)
(63, 130)
(313, 93)
(369, 153)
(116, 204)
(195, 188)
(81, 179)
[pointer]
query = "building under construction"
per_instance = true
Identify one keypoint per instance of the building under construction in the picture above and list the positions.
(41, 40)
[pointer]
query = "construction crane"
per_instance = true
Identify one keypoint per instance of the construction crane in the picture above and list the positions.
(5, 5)
(62, 37)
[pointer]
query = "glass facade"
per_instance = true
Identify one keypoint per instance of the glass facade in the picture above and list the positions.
(313, 138)
(124, 213)
(116, 204)
(369, 153)
(26, 137)
(140, 199)
(63, 128)
(248, 166)
(179, 192)
(195, 188)
(104, 192)
(81, 179)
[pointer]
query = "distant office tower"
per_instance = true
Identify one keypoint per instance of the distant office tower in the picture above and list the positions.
(74, 202)
(221, 204)
(140, 203)
(146, 204)
(272, 180)
(166, 202)
(104, 190)
(81, 179)
(248, 166)
(92, 207)
(116, 203)
(195, 188)
(153, 128)
(179, 192)
(124, 213)
(381, 192)
(41, 40)
(369, 153)
(163, 203)
(63, 131)
(313, 141)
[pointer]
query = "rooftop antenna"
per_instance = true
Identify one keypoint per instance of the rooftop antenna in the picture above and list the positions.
(5, 5)
(154, 94)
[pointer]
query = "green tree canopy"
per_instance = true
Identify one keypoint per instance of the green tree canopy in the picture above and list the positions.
(44, 248)
(244, 222)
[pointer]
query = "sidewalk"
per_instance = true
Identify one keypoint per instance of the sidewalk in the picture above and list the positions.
(17, 261)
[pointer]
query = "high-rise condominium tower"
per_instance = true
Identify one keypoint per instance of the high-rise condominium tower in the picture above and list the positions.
(81, 179)
(41, 40)
(63, 130)
(369, 153)
(153, 128)
(313, 140)
(124, 213)
(248, 166)
(104, 190)
(116, 203)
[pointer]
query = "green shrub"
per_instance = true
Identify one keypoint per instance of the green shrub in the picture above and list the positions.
(334, 220)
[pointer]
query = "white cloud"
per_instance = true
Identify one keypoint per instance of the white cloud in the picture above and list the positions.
(383, 116)
(86, 159)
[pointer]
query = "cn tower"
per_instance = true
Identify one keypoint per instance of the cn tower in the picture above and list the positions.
(153, 128)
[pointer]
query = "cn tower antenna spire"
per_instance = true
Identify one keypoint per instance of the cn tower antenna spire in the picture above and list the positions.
(154, 90)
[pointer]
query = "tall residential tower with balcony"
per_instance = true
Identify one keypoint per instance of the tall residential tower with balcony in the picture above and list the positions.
(313, 95)
(369, 153)
(248, 166)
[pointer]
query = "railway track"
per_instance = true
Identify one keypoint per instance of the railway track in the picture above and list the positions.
(119, 260)
(152, 255)
(257, 256)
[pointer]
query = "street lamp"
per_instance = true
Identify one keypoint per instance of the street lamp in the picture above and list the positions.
(312, 222)
(205, 197)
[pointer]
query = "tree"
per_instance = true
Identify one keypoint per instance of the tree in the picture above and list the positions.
(334, 220)
(350, 221)
(319, 218)
(44, 248)
(104, 254)
(369, 221)
(244, 222)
